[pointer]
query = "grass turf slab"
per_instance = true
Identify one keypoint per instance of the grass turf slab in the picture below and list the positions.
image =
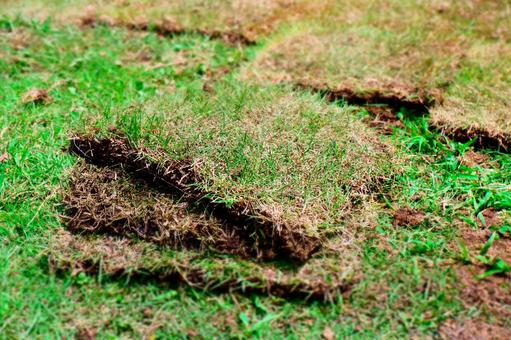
(237, 21)
(324, 278)
(261, 160)
(450, 58)
(172, 151)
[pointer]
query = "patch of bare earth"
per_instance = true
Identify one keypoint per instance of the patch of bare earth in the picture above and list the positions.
(476, 239)
(268, 237)
(473, 330)
(490, 217)
(492, 295)
(408, 217)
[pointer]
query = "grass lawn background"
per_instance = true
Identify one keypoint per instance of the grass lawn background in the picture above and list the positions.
(97, 76)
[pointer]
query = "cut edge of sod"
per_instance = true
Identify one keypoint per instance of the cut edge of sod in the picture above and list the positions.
(271, 238)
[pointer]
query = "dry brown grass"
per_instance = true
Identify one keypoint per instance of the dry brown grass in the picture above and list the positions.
(477, 104)
(115, 257)
(104, 200)
(123, 228)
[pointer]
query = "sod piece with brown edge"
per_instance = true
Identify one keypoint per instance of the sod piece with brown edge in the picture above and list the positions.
(175, 179)
(283, 162)
(104, 200)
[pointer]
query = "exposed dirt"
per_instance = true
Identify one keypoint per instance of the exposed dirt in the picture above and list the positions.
(476, 239)
(408, 217)
(492, 293)
(121, 258)
(395, 99)
(483, 138)
(473, 330)
(491, 218)
(272, 239)
(168, 28)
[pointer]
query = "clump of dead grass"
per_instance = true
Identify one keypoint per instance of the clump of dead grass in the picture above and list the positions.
(103, 200)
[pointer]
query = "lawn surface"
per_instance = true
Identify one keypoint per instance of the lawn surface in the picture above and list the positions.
(298, 214)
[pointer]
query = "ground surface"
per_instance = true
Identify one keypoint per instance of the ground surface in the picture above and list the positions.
(183, 171)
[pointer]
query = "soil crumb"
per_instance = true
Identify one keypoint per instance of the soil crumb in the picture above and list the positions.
(37, 96)
(473, 159)
(408, 217)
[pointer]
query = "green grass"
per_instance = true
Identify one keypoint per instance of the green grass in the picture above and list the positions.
(406, 288)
